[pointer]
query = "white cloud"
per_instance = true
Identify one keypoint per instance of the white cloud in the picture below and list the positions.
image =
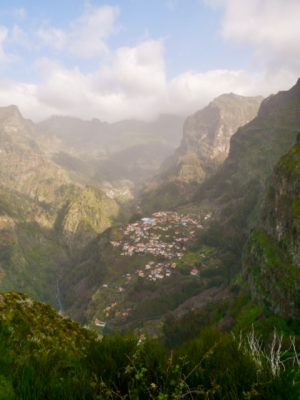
(52, 37)
(132, 82)
(132, 85)
(193, 90)
(86, 37)
(271, 27)
(89, 33)
(18, 37)
(24, 96)
(141, 68)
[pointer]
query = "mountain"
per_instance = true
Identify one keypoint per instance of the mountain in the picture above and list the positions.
(204, 147)
(114, 275)
(272, 256)
(206, 137)
(132, 275)
(131, 149)
(195, 278)
(22, 164)
(45, 213)
(235, 193)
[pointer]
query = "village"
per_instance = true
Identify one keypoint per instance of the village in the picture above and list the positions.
(164, 235)
(161, 240)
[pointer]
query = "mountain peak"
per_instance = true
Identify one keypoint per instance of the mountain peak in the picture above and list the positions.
(10, 112)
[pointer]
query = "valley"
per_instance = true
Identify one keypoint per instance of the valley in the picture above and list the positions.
(149, 200)
(97, 253)
(222, 256)
(150, 250)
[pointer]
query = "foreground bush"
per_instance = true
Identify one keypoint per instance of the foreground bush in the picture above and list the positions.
(214, 366)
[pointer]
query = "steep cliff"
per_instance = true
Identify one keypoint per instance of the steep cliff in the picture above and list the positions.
(204, 147)
(272, 254)
(206, 136)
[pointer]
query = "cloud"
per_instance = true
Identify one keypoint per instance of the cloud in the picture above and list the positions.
(194, 90)
(134, 85)
(132, 82)
(270, 27)
(18, 37)
(24, 96)
(120, 89)
(52, 37)
(86, 36)
(133, 67)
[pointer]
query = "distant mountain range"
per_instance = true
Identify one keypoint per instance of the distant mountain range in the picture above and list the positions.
(127, 150)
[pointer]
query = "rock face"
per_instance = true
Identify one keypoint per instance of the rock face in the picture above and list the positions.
(204, 147)
(272, 254)
(206, 136)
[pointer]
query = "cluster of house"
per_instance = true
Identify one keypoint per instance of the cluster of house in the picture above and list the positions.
(164, 235)
(154, 271)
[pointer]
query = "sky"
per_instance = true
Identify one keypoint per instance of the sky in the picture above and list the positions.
(123, 59)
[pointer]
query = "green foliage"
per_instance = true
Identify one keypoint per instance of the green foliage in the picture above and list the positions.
(6, 389)
(296, 208)
(60, 360)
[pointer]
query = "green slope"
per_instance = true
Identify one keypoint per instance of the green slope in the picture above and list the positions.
(272, 254)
